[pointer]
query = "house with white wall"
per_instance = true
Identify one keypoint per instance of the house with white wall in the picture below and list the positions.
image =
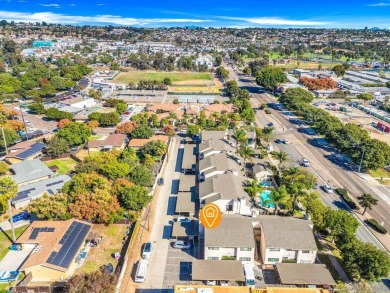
(285, 239)
(232, 239)
(227, 192)
(219, 163)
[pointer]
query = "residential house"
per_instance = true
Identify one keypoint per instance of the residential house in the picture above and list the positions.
(30, 171)
(116, 141)
(189, 159)
(227, 192)
(219, 163)
(261, 172)
(214, 146)
(27, 193)
(138, 143)
(233, 239)
(26, 150)
(55, 246)
(285, 238)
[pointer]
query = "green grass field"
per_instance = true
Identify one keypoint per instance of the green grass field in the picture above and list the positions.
(136, 76)
(64, 165)
(5, 239)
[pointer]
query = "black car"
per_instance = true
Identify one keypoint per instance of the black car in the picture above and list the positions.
(278, 140)
(160, 181)
(270, 124)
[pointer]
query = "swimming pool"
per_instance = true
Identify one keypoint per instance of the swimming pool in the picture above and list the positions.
(264, 196)
(266, 184)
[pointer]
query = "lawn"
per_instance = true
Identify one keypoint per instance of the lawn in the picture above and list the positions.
(5, 239)
(112, 242)
(95, 137)
(64, 165)
(136, 76)
(379, 173)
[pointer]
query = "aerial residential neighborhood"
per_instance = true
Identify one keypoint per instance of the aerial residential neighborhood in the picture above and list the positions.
(239, 154)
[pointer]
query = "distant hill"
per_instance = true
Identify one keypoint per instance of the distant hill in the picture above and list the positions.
(375, 29)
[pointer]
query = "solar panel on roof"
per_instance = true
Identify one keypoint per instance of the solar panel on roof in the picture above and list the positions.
(50, 191)
(71, 243)
(26, 191)
(35, 148)
(20, 198)
(54, 183)
(36, 231)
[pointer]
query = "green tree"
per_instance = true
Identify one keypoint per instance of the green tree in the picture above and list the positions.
(37, 108)
(75, 133)
(134, 198)
(218, 61)
(239, 136)
(277, 197)
(339, 70)
(55, 114)
(270, 77)
(342, 226)
(223, 72)
(202, 119)
(254, 188)
(167, 81)
(10, 136)
(155, 148)
(281, 156)
(3, 168)
(141, 175)
(50, 207)
(109, 119)
(121, 108)
(246, 152)
(367, 201)
(193, 130)
(294, 96)
(109, 164)
(8, 190)
(143, 131)
(57, 146)
(365, 97)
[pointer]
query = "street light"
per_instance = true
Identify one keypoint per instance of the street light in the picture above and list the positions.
(361, 160)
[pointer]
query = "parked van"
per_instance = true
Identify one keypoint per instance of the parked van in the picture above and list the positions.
(142, 269)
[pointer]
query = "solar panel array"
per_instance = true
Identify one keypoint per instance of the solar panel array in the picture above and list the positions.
(22, 195)
(71, 243)
(35, 148)
(54, 183)
(36, 231)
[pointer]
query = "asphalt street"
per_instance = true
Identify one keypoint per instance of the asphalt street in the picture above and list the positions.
(325, 163)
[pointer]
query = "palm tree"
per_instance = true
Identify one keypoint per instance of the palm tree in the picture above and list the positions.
(239, 135)
(367, 201)
(246, 152)
(281, 156)
(254, 188)
(277, 197)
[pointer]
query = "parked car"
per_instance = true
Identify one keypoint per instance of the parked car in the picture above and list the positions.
(182, 219)
(285, 141)
(328, 189)
(73, 148)
(142, 269)
(270, 124)
(305, 163)
(211, 283)
(160, 181)
(20, 217)
(278, 140)
(147, 250)
(180, 244)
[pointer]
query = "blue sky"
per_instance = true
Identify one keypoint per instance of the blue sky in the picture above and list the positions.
(227, 13)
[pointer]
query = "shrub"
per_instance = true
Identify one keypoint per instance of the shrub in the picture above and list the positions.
(289, 261)
(376, 226)
(225, 257)
(344, 195)
(3, 167)
(267, 111)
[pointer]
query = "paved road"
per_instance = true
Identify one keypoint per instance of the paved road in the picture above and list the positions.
(322, 166)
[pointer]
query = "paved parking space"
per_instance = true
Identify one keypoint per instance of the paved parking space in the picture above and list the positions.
(178, 266)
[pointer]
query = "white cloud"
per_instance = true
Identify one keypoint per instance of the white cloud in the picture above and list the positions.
(51, 17)
(380, 4)
(100, 4)
(276, 21)
(51, 5)
(72, 4)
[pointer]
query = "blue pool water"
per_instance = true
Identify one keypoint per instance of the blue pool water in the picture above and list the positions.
(266, 184)
(264, 196)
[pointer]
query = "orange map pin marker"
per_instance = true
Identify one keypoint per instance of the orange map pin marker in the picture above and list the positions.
(210, 216)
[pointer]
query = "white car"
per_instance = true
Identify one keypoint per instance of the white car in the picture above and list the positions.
(211, 283)
(147, 250)
(180, 244)
(328, 189)
(182, 219)
(285, 141)
(305, 163)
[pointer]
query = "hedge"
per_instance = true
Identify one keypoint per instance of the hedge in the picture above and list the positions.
(375, 225)
(344, 194)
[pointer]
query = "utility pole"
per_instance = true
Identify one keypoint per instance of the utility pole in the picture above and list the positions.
(361, 160)
(21, 114)
(5, 141)
(11, 221)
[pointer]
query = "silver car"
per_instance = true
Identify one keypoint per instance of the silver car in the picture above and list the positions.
(180, 244)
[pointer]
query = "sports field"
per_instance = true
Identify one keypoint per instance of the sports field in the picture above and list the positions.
(180, 77)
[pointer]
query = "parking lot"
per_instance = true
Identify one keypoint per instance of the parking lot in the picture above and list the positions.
(178, 266)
